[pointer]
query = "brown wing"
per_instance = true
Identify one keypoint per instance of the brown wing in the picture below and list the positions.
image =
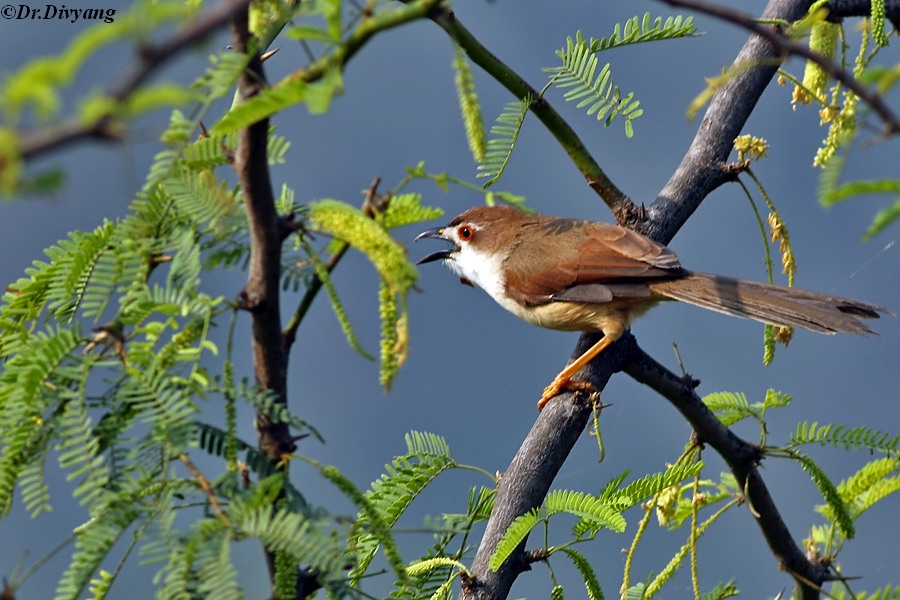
(582, 261)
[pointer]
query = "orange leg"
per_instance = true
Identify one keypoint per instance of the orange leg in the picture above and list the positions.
(564, 379)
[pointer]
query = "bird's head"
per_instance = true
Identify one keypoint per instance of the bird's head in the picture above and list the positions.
(481, 239)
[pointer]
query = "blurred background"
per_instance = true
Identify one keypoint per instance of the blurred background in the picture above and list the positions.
(475, 372)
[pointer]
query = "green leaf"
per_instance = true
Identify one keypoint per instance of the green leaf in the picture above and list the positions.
(586, 507)
(596, 511)
(649, 485)
(841, 513)
(592, 89)
(320, 94)
(161, 95)
(310, 33)
(591, 583)
(274, 100)
(503, 140)
(839, 193)
(730, 407)
(515, 535)
(883, 218)
(336, 304)
(283, 530)
(404, 480)
(647, 29)
(376, 526)
(841, 436)
(868, 486)
(722, 591)
(407, 209)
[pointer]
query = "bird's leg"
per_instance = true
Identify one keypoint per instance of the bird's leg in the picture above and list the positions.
(564, 379)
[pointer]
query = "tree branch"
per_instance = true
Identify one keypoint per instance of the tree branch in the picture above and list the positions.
(525, 483)
(703, 168)
(701, 171)
(40, 141)
(742, 457)
(786, 46)
(840, 9)
(261, 295)
(617, 201)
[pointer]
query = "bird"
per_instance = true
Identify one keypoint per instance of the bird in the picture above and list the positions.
(588, 276)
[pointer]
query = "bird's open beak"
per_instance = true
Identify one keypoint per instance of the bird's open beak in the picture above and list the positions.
(438, 234)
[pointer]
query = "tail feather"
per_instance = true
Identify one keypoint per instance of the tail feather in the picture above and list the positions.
(772, 304)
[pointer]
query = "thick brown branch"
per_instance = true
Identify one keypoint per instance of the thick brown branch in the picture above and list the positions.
(527, 480)
(701, 171)
(40, 141)
(841, 9)
(261, 296)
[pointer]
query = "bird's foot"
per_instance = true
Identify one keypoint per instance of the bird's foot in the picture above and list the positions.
(560, 384)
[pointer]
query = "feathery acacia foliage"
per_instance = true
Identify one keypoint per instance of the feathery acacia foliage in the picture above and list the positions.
(107, 353)
(637, 30)
(840, 107)
(578, 75)
(427, 457)
(503, 141)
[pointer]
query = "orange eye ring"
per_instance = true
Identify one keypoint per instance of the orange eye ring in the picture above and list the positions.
(465, 232)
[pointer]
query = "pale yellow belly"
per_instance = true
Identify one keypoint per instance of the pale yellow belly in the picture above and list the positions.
(611, 318)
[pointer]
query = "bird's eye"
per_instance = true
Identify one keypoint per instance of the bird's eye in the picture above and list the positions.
(465, 232)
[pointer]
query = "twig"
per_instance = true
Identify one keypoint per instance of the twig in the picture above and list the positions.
(742, 458)
(312, 290)
(786, 46)
(617, 201)
(204, 485)
(40, 141)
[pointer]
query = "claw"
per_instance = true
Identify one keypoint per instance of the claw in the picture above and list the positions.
(558, 385)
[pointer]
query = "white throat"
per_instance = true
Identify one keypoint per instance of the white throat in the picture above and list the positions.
(484, 270)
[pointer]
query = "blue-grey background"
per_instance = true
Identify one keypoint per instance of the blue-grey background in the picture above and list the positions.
(474, 372)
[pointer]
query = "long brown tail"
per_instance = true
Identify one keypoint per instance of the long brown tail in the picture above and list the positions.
(771, 303)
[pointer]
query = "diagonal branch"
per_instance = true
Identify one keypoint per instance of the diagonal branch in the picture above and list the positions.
(701, 171)
(617, 201)
(703, 168)
(35, 143)
(742, 458)
(786, 46)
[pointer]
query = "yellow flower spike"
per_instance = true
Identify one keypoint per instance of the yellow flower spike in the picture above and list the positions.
(750, 147)
(823, 39)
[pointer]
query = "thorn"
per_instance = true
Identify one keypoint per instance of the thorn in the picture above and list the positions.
(267, 55)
